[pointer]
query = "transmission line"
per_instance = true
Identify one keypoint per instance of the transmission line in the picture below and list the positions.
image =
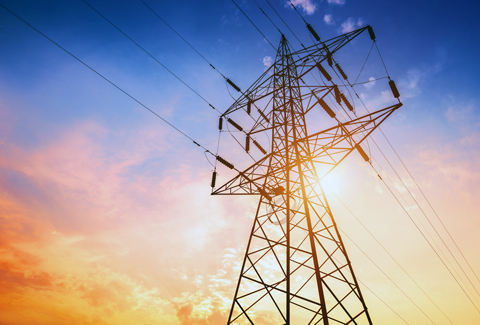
(110, 82)
(428, 201)
(423, 235)
(150, 55)
(254, 25)
(389, 278)
(285, 23)
(408, 190)
(411, 194)
(429, 221)
(211, 65)
(428, 233)
(267, 16)
(363, 283)
(393, 258)
(408, 214)
(351, 86)
(193, 48)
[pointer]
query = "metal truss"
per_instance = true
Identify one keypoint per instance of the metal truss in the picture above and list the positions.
(296, 269)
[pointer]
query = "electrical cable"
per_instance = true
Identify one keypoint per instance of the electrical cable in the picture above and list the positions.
(427, 232)
(363, 66)
(374, 43)
(267, 16)
(366, 82)
(193, 48)
(159, 17)
(363, 284)
(295, 8)
(285, 23)
(426, 199)
(393, 258)
(150, 55)
(381, 58)
(417, 204)
(428, 219)
(228, 81)
(254, 25)
(389, 278)
(423, 235)
(109, 81)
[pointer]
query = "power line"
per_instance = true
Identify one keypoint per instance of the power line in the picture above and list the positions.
(211, 65)
(363, 66)
(193, 48)
(393, 258)
(412, 219)
(254, 25)
(430, 244)
(401, 180)
(109, 81)
(267, 16)
(295, 8)
(429, 221)
(382, 59)
(363, 283)
(156, 14)
(285, 23)
(423, 235)
(150, 55)
(413, 302)
(374, 43)
(435, 212)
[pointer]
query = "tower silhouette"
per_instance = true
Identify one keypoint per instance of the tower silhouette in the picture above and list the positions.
(296, 269)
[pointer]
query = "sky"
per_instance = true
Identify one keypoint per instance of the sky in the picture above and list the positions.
(106, 213)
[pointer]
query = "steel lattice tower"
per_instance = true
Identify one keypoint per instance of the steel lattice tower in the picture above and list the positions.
(296, 269)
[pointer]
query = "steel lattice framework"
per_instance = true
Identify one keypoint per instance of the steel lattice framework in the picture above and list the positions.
(296, 269)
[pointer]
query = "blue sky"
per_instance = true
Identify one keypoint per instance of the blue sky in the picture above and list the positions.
(82, 160)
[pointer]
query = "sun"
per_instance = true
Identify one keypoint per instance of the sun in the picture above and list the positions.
(331, 183)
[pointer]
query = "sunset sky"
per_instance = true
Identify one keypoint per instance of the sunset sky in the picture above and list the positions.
(105, 210)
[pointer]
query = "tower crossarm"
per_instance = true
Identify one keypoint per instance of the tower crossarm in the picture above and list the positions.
(327, 148)
(305, 59)
(331, 146)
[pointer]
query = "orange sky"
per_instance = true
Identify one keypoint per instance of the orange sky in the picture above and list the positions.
(84, 240)
(105, 212)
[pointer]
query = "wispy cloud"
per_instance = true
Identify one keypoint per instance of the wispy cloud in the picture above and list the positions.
(337, 2)
(351, 24)
(411, 84)
(308, 6)
(267, 61)
(370, 84)
(328, 19)
(80, 215)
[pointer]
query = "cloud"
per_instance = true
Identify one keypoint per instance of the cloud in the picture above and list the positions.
(267, 61)
(370, 84)
(307, 5)
(350, 24)
(410, 85)
(465, 118)
(81, 215)
(337, 2)
(13, 277)
(328, 19)
(461, 114)
(447, 162)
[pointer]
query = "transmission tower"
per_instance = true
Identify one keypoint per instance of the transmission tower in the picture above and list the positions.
(296, 269)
